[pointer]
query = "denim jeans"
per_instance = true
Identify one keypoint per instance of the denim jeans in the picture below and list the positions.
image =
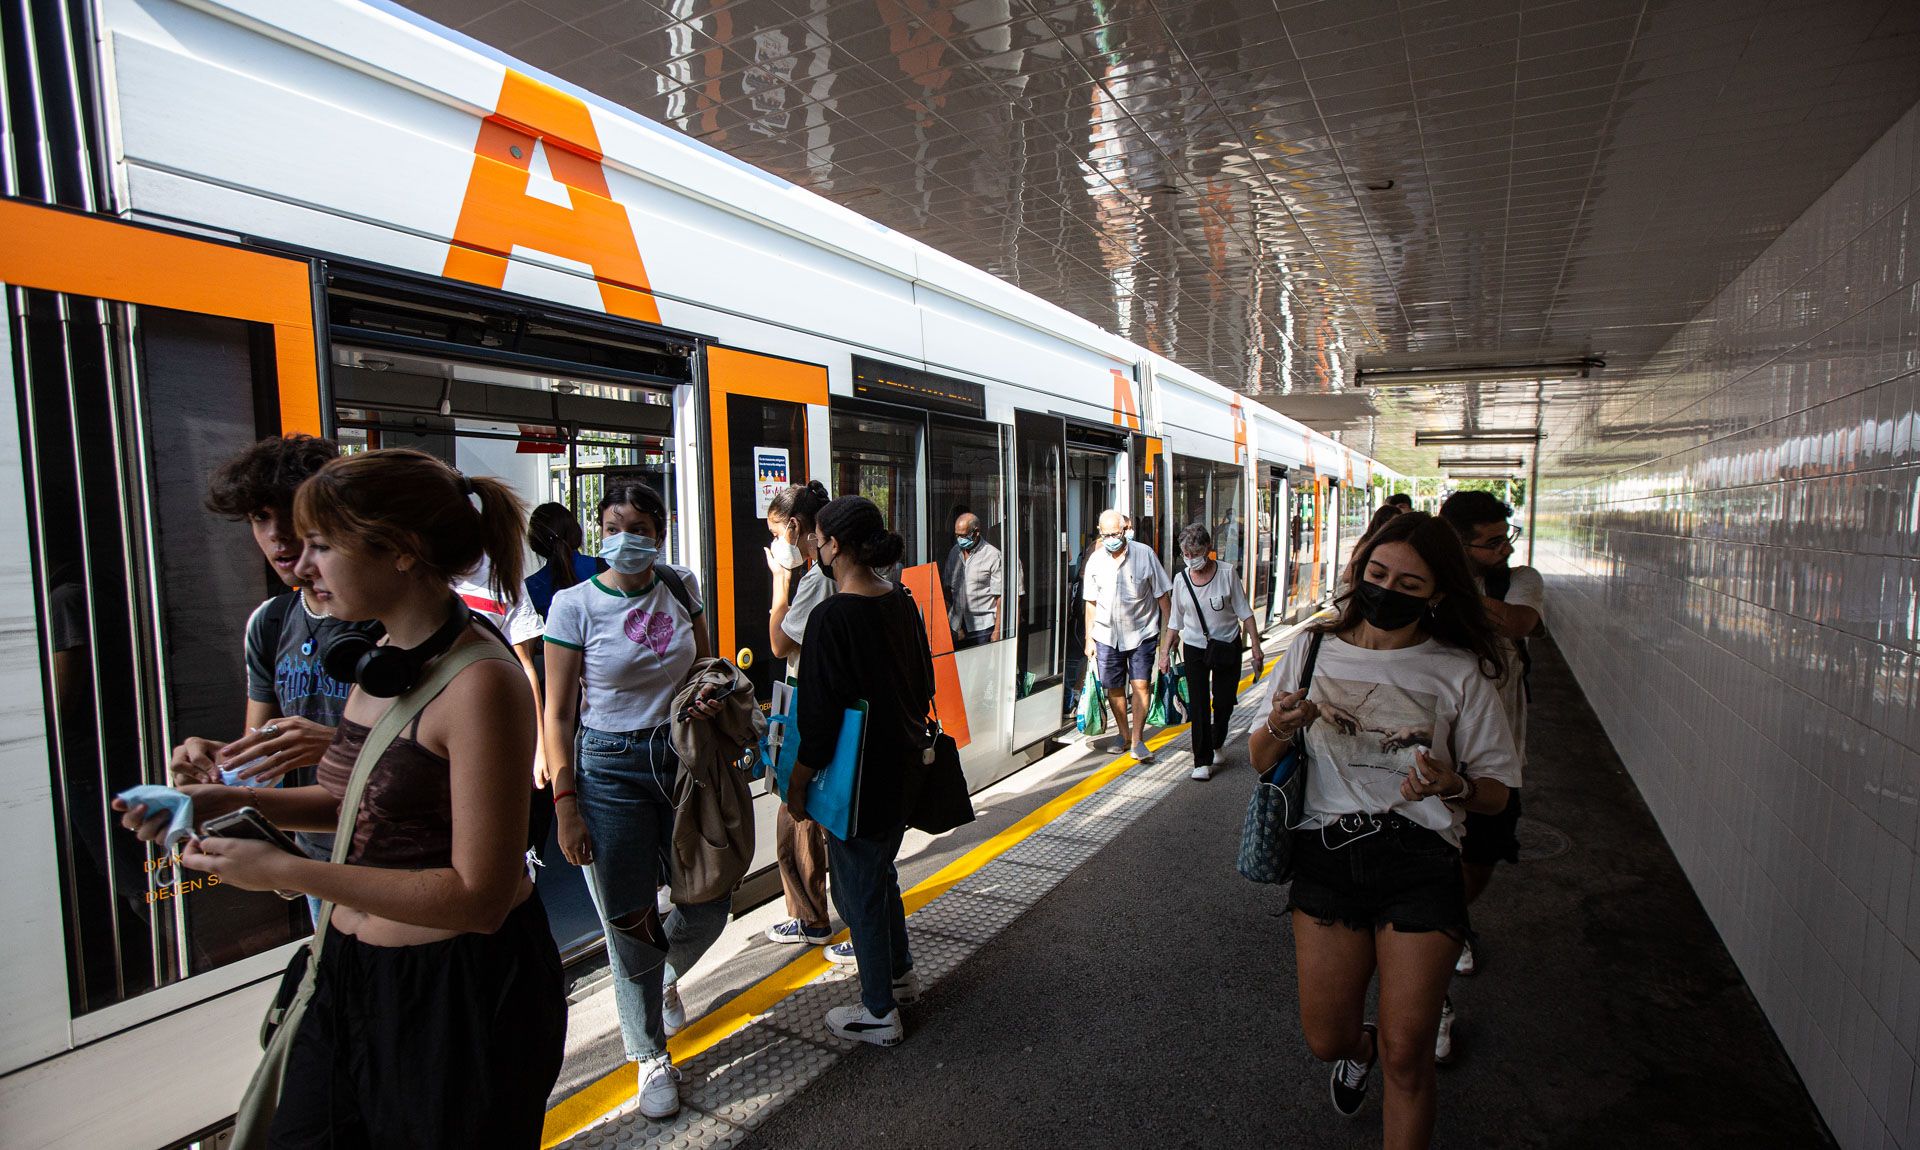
(625, 785)
(866, 889)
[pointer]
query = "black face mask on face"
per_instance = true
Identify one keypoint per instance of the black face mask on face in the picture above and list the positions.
(826, 565)
(1387, 609)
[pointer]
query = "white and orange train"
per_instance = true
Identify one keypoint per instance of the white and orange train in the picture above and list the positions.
(228, 218)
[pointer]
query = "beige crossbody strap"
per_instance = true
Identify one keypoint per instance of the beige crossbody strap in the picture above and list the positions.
(257, 1106)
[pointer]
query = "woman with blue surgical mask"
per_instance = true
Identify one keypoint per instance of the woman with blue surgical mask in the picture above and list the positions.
(619, 647)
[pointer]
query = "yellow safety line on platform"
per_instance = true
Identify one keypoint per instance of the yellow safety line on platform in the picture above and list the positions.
(583, 1109)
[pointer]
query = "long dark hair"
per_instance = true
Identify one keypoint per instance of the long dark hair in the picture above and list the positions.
(554, 534)
(1459, 619)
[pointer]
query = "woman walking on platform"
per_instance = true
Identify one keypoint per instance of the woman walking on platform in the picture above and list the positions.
(619, 648)
(1404, 735)
(866, 644)
(437, 1015)
(1209, 611)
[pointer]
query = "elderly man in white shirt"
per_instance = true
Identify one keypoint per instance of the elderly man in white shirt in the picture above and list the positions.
(1127, 593)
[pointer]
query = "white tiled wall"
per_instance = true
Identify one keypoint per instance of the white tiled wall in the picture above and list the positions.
(1733, 551)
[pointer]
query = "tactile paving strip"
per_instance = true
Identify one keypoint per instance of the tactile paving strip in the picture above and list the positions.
(732, 1087)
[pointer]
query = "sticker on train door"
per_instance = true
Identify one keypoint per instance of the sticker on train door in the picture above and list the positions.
(772, 471)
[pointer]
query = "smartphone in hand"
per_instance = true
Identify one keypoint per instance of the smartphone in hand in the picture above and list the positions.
(249, 823)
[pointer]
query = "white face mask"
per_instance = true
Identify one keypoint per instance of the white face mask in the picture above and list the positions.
(1129, 533)
(1195, 562)
(629, 553)
(787, 554)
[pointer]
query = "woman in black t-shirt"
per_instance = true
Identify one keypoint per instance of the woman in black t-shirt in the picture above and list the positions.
(866, 643)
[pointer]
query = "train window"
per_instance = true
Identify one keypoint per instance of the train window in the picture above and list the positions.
(143, 597)
(1209, 493)
(878, 456)
(966, 471)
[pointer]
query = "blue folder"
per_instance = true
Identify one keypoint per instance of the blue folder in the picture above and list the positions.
(833, 798)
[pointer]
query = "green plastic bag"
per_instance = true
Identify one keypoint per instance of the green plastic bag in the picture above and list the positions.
(1092, 719)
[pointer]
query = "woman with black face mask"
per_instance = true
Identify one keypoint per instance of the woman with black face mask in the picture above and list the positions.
(1404, 734)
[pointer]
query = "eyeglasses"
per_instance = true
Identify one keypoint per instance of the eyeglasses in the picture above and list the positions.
(1113, 535)
(1512, 536)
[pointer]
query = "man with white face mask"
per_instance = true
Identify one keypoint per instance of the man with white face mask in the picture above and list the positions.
(1126, 592)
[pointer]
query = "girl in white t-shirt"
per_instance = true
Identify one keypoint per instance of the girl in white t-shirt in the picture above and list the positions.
(1404, 734)
(619, 647)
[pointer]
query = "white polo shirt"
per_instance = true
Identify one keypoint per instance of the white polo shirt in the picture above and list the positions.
(1125, 590)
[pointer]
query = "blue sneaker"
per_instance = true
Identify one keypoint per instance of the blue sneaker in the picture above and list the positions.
(841, 954)
(795, 931)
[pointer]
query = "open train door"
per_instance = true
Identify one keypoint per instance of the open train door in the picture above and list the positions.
(757, 412)
(136, 360)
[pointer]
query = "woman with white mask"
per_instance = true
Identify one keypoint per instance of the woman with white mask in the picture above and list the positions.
(619, 647)
(1209, 612)
(799, 585)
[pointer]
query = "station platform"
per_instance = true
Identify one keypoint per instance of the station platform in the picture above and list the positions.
(1095, 973)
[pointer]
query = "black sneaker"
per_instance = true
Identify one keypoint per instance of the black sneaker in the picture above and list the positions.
(1349, 1083)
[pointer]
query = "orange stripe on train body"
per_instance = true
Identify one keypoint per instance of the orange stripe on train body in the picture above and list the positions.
(1125, 412)
(924, 582)
(497, 214)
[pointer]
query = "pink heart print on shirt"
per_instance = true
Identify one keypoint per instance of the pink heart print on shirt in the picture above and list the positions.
(650, 630)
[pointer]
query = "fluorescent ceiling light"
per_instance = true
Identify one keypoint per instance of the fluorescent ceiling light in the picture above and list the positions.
(1511, 435)
(1463, 461)
(1544, 371)
(1493, 473)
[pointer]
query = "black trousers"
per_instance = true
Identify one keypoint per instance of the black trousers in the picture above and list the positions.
(1210, 699)
(449, 1044)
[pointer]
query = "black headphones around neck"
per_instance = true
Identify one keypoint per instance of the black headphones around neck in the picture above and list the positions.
(388, 671)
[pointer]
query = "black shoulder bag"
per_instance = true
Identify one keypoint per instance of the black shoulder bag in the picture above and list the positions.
(939, 800)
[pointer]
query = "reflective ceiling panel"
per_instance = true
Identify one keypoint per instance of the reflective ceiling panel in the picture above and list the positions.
(1264, 190)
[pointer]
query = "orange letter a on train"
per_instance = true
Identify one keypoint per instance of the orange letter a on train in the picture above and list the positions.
(499, 214)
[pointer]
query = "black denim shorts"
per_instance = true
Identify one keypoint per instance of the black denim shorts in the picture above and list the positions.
(1488, 839)
(1373, 871)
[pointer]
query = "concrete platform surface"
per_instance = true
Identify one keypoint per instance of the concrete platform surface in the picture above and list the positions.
(1149, 999)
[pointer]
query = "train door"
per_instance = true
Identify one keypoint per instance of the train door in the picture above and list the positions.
(1097, 472)
(135, 361)
(1303, 546)
(1330, 515)
(560, 408)
(1041, 541)
(1269, 572)
(757, 416)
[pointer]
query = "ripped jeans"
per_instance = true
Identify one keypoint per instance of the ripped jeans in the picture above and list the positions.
(625, 785)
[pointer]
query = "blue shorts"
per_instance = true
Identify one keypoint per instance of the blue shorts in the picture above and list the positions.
(1116, 667)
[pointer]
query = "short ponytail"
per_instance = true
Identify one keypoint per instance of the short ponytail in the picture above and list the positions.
(855, 523)
(800, 503)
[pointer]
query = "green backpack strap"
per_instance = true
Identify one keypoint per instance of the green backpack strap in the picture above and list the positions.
(262, 1098)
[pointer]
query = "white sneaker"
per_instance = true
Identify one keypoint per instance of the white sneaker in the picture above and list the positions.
(1203, 772)
(1464, 965)
(856, 1023)
(906, 989)
(659, 1087)
(841, 954)
(673, 1012)
(1443, 1041)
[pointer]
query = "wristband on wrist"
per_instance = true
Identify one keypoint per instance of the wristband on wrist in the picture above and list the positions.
(1464, 795)
(1274, 733)
(558, 795)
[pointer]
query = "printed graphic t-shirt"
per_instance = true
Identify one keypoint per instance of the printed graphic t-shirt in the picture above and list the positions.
(636, 648)
(1376, 707)
(284, 668)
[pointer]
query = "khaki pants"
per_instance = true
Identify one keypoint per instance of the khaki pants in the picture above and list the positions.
(802, 852)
